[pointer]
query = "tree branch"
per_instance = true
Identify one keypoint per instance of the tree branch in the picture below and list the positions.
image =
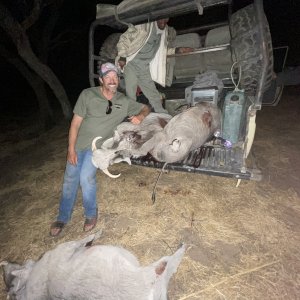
(66, 37)
(34, 16)
(21, 41)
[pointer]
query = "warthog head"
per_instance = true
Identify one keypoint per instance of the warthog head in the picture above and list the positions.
(104, 157)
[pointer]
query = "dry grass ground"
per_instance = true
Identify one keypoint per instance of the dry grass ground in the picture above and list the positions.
(243, 242)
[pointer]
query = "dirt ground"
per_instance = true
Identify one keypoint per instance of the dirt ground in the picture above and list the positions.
(243, 242)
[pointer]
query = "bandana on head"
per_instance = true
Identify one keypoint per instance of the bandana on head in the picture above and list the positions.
(106, 68)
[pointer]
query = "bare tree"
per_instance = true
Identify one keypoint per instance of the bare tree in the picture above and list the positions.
(17, 33)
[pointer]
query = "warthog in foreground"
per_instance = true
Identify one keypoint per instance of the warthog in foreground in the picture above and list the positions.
(169, 143)
(77, 270)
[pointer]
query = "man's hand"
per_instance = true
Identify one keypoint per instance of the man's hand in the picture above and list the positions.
(141, 116)
(182, 50)
(136, 119)
(72, 157)
(73, 132)
(122, 63)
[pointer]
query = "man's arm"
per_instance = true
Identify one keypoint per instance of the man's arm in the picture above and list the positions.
(171, 44)
(179, 50)
(137, 119)
(122, 62)
(73, 133)
(131, 41)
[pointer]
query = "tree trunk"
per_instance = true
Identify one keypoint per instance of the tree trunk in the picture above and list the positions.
(46, 113)
(21, 41)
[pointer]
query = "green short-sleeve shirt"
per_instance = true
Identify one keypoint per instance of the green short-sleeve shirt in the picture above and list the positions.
(91, 106)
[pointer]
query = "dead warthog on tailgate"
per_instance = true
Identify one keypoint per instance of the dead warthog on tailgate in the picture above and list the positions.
(184, 133)
(77, 270)
(168, 139)
(127, 140)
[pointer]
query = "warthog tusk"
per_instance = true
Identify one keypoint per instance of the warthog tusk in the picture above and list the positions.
(127, 159)
(94, 142)
(105, 171)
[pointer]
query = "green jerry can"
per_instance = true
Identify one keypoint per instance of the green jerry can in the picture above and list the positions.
(233, 114)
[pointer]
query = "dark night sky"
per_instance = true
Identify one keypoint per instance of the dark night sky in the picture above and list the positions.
(70, 61)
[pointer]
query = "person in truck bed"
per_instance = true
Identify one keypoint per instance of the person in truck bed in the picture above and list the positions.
(142, 55)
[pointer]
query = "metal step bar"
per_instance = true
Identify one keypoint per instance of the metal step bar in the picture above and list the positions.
(210, 160)
(204, 50)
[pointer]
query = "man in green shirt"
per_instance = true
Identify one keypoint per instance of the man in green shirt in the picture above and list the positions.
(97, 112)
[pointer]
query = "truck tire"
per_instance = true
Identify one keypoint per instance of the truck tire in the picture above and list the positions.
(247, 50)
(108, 51)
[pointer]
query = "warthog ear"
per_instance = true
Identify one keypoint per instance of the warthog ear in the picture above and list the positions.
(19, 277)
(175, 145)
(162, 122)
(160, 268)
(207, 118)
(8, 269)
(167, 265)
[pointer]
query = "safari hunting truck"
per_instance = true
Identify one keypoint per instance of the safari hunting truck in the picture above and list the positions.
(235, 52)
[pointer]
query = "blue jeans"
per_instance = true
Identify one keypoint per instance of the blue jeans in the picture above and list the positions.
(83, 174)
